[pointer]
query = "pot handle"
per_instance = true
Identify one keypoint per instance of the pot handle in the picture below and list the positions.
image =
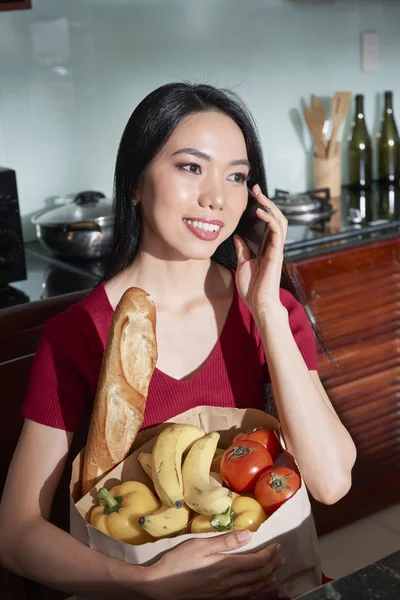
(88, 197)
(83, 226)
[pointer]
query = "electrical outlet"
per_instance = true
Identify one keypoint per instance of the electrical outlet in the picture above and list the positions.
(370, 51)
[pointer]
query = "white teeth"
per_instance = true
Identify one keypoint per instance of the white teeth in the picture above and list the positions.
(201, 225)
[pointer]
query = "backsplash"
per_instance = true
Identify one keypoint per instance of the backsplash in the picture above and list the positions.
(72, 72)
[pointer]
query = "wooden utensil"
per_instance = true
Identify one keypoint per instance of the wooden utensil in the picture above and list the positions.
(315, 118)
(341, 102)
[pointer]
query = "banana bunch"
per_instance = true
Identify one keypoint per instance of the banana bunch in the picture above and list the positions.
(192, 486)
(163, 466)
(166, 465)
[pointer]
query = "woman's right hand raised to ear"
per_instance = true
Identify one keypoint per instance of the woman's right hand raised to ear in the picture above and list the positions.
(199, 569)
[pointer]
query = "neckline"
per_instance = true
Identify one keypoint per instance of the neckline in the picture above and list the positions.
(211, 357)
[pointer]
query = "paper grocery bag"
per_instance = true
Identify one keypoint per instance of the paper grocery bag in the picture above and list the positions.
(292, 525)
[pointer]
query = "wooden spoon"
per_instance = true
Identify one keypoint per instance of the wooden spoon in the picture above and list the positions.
(341, 102)
(315, 119)
(319, 117)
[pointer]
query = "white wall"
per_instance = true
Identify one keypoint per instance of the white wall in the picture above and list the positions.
(71, 73)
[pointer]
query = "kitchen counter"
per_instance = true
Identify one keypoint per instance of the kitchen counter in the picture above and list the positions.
(378, 214)
(49, 276)
(378, 581)
(359, 218)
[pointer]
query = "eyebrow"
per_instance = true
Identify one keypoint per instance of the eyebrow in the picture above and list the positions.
(204, 156)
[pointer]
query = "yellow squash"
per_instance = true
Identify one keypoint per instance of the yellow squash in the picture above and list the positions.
(245, 513)
(122, 506)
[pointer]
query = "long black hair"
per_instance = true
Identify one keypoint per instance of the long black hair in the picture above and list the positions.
(148, 129)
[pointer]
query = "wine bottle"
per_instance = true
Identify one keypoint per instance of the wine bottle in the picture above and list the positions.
(389, 146)
(359, 149)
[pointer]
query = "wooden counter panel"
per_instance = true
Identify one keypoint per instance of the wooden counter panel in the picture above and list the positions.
(355, 298)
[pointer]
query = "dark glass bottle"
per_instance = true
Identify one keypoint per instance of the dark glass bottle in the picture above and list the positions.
(389, 146)
(389, 202)
(359, 148)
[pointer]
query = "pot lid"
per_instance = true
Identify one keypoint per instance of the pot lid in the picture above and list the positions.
(297, 204)
(87, 207)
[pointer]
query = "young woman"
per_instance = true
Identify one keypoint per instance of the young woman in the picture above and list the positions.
(186, 159)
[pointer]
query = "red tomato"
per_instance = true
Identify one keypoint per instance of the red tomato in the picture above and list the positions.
(274, 486)
(263, 436)
(242, 463)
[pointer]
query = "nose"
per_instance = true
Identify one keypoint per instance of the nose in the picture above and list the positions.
(212, 197)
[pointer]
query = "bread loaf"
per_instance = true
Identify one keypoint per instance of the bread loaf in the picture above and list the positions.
(128, 364)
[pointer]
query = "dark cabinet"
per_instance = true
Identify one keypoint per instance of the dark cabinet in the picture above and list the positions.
(15, 4)
(355, 297)
(20, 330)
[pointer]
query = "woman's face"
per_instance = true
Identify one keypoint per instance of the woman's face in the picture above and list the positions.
(194, 191)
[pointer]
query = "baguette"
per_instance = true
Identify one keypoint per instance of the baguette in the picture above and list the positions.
(128, 364)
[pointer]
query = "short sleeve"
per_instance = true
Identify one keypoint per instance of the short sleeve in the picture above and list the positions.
(301, 329)
(57, 387)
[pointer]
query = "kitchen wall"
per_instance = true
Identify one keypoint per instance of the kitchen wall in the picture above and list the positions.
(72, 72)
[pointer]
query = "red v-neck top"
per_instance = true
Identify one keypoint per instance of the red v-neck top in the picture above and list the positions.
(66, 366)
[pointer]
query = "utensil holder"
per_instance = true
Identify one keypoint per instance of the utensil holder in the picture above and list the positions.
(327, 174)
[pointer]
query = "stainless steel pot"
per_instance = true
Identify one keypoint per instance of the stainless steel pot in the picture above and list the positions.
(80, 229)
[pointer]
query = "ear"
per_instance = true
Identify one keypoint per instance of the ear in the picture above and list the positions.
(138, 192)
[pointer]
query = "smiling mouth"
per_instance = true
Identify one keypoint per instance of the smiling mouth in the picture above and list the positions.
(208, 231)
(203, 225)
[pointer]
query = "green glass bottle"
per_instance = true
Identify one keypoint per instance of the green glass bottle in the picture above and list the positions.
(389, 146)
(359, 149)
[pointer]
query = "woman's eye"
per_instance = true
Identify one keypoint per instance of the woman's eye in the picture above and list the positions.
(238, 177)
(192, 168)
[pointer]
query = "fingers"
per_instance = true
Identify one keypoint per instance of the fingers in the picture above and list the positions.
(271, 206)
(264, 589)
(262, 579)
(242, 250)
(256, 560)
(262, 574)
(224, 543)
(275, 227)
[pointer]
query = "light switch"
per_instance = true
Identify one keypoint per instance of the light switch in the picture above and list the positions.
(370, 51)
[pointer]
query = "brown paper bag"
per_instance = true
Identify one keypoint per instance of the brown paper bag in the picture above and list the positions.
(292, 525)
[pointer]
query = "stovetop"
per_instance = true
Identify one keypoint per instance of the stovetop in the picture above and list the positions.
(49, 276)
(308, 207)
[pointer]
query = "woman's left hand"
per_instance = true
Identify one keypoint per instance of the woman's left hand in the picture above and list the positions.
(258, 279)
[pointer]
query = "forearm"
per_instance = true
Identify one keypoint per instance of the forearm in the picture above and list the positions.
(313, 433)
(44, 553)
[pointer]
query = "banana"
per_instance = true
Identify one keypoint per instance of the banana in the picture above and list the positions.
(166, 464)
(199, 494)
(166, 521)
(144, 458)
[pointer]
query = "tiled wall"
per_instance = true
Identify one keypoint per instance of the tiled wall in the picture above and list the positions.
(72, 71)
